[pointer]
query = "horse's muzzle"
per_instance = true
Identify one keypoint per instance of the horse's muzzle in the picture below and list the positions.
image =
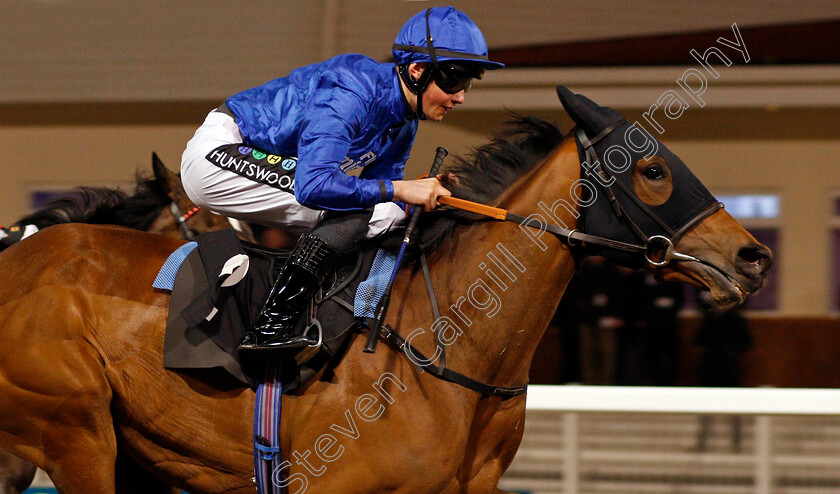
(752, 262)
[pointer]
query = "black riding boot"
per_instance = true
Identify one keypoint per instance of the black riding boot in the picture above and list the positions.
(276, 329)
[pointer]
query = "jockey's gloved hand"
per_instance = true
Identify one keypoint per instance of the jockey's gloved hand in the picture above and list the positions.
(422, 192)
(15, 234)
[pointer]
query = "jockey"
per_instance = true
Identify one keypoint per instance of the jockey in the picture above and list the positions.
(15, 234)
(346, 113)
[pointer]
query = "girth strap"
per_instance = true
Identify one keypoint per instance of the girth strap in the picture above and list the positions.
(447, 374)
(267, 454)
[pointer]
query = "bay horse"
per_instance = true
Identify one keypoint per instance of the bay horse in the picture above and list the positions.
(157, 205)
(82, 333)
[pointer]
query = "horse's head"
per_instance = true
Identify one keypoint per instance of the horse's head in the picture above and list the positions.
(188, 219)
(643, 194)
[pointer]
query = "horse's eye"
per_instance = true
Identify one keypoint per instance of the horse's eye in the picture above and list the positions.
(654, 173)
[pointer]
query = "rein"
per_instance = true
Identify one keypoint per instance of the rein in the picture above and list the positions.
(574, 237)
(571, 236)
(652, 244)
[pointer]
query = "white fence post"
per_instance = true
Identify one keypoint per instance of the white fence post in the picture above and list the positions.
(571, 481)
(763, 455)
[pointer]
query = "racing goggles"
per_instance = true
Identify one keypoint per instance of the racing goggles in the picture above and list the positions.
(453, 78)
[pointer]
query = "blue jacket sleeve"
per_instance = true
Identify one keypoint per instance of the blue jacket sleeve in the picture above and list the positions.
(334, 114)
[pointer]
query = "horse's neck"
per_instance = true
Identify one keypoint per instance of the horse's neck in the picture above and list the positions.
(497, 285)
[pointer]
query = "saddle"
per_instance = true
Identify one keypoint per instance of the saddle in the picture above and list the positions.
(219, 285)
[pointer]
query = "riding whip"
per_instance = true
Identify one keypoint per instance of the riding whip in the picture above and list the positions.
(382, 307)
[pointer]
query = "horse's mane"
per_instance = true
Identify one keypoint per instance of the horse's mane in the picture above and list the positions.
(485, 173)
(101, 205)
(491, 168)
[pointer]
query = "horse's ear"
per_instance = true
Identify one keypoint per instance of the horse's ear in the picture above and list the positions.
(587, 114)
(171, 182)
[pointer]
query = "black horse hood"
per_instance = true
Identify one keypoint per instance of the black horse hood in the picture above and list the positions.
(618, 146)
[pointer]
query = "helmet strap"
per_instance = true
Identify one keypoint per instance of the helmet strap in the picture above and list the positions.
(420, 114)
(420, 85)
(426, 77)
(416, 86)
(429, 40)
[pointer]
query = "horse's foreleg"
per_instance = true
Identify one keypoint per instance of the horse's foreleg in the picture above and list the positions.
(55, 400)
(79, 442)
(85, 465)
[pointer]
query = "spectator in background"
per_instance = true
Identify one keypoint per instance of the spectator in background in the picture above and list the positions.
(607, 302)
(724, 338)
(625, 311)
(658, 344)
(572, 319)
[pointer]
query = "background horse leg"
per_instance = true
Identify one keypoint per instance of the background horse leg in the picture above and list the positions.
(131, 478)
(15, 474)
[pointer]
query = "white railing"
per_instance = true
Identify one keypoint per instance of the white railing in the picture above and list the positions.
(582, 439)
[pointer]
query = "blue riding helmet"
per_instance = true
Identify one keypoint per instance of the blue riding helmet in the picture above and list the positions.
(448, 40)
(454, 37)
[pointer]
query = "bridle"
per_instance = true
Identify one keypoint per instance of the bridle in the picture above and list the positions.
(181, 219)
(658, 250)
(651, 244)
(187, 233)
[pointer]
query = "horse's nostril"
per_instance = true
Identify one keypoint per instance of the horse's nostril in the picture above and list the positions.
(755, 257)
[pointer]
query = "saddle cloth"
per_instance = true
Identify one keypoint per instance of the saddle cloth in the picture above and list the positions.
(219, 290)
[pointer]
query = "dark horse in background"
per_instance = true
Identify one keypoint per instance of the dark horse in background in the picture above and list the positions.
(81, 298)
(157, 205)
